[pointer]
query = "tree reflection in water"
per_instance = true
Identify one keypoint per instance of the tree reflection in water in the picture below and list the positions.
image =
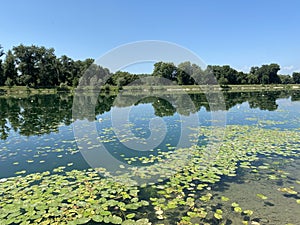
(43, 114)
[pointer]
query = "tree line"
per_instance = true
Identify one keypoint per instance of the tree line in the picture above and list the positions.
(35, 66)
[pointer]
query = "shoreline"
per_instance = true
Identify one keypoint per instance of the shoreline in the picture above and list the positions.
(18, 91)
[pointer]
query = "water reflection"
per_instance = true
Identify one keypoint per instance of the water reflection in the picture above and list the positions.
(35, 115)
(43, 114)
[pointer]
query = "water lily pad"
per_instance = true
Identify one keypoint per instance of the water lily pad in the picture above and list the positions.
(238, 209)
(218, 216)
(224, 199)
(288, 190)
(263, 197)
(248, 212)
(142, 222)
(82, 220)
(129, 222)
(234, 204)
(130, 216)
(115, 219)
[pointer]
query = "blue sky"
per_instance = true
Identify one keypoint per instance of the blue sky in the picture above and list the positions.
(238, 33)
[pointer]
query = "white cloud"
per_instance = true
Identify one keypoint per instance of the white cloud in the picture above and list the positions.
(288, 69)
(291, 67)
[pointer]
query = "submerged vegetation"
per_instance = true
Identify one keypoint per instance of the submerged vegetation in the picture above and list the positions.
(195, 194)
(82, 196)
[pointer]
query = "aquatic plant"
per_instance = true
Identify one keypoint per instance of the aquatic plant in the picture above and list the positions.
(82, 196)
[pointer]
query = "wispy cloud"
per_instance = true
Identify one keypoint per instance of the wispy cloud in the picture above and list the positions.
(291, 67)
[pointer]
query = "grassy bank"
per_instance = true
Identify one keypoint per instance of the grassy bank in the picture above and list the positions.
(19, 91)
(213, 88)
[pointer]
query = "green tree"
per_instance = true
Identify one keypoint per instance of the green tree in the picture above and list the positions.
(185, 73)
(10, 71)
(266, 74)
(296, 77)
(242, 78)
(224, 74)
(47, 68)
(26, 60)
(2, 78)
(81, 68)
(285, 79)
(252, 78)
(223, 81)
(65, 69)
(230, 74)
(273, 76)
(37, 66)
(122, 78)
(165, 70)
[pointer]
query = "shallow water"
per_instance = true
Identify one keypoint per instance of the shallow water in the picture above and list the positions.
(279, 207)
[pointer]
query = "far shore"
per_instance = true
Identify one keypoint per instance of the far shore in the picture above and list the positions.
(22, 91)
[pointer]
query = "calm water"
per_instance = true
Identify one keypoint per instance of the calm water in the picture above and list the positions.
(36, 135)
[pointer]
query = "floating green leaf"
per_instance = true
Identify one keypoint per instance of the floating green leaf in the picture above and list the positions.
(224, 199)
(115, 219)
(263, 197)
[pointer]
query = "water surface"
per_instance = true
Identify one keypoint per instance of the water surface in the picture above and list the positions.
(37, 136)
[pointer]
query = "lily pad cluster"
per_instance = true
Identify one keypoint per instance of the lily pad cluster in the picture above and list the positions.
(183, 197)
(74, 197)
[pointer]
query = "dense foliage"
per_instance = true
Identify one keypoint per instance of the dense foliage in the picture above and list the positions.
(35, 66)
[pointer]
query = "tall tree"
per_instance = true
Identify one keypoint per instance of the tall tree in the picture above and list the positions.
(266, 74)
(66, 67)
(273, 76)
(10, 71)
(165, 70)
(36, 65)
(26, 59)
(47, 64)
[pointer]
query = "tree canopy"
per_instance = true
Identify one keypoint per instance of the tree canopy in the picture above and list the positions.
(35, 66)
(296, 78)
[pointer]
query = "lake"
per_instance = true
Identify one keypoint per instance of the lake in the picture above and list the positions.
(159, 158)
